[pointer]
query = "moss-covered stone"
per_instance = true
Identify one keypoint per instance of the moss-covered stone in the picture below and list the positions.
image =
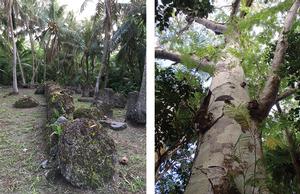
(119, 100)
(86, 154)
(89, 113)
(59, 101)
(26, 102)
(103, 107)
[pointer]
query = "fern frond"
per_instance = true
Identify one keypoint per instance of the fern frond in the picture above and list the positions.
(240, 114)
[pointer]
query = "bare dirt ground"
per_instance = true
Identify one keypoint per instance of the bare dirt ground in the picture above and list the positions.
(23, 148)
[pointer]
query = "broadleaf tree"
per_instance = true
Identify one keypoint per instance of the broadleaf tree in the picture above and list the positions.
(250, 49)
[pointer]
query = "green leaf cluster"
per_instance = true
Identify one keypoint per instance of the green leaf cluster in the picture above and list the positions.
(240, 114)
(57, 129)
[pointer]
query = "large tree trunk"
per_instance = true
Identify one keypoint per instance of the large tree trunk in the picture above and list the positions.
(11, 30)
(227, 151)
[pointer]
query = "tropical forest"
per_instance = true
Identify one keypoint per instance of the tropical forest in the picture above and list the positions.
(227, 96)
(72, 96)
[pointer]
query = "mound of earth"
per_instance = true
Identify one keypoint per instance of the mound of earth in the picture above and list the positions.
(26, 102)
(89, 113)
(86, 154)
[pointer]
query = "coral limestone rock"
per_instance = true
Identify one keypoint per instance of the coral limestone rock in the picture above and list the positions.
(89, 113)
(86, 154)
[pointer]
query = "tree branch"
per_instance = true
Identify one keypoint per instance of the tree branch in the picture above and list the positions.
(248, 4)
(185, 28)
(270, 91)
(176, 57)
(169, 153)
(235, 7)
(286, 94)
(214, 26)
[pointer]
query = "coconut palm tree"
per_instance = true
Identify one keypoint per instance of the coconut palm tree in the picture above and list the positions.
(9, 8)
(27, 10)
(57, 33)
(107, 24)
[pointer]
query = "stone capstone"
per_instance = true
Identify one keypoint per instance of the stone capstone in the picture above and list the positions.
(87, 155)
(103, 107)
(89, 113)
(118, 125)
(61, 120)
(59, 101)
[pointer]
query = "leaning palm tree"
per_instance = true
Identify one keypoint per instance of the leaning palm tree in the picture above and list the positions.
(107, 24)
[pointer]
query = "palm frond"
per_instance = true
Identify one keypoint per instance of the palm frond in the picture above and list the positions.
(83, 5)
(60, 11)
(116, 39)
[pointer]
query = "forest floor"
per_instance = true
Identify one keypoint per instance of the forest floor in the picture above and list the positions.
(23, 147)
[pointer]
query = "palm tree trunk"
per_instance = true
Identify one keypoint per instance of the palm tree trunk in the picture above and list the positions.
(46, 58)
(37, 70)
(102, 76)
(21, 69)
(32, 50)
(14, 62)
(87, 69)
